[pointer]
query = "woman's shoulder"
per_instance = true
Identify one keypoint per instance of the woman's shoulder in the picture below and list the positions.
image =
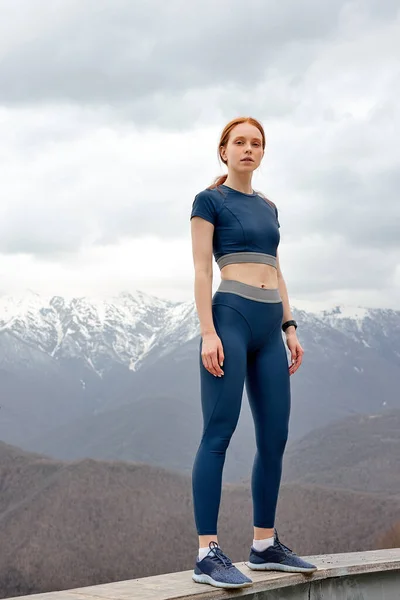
(207, 204)
(273, 206)
(214, 192)
(214, 195)
(266, 199)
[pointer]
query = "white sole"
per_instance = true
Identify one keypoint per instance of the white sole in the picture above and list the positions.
(277, 567)
(207, 579)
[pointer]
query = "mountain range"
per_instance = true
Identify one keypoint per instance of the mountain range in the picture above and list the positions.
(118, 378)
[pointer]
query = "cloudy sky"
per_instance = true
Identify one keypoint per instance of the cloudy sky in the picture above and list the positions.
(110, 115)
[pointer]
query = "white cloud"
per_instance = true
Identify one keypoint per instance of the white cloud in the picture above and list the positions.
(96, 192)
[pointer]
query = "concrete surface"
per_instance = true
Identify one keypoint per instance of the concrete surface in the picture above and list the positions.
(373, 575)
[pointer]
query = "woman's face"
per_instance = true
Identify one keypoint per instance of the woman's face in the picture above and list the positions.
(245, 142)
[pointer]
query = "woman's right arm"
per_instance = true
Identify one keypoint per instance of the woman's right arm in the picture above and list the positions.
(202, 235)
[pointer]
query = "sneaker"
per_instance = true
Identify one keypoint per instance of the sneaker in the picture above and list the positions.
(217, 569)
(278, 558)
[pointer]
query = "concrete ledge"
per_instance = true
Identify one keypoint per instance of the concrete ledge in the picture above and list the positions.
(373, 575)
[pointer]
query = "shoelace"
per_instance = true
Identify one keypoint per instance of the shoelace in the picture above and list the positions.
(282, 546)
(219, 555)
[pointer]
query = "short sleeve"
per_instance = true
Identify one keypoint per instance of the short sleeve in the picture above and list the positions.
(204, 206)
(276, 214)
(273, 205)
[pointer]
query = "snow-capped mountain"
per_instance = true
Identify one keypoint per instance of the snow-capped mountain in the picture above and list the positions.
(128, 328)
(83, 368)
(123, 329)
(375, 328)
(64, 359)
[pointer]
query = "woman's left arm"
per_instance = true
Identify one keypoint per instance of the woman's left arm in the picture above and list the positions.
(292, 342)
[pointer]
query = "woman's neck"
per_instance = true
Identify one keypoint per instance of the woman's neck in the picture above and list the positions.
(241, 184)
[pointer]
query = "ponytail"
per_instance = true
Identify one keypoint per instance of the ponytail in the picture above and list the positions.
(218, 181)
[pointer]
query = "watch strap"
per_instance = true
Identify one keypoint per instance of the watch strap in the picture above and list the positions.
(288, 324)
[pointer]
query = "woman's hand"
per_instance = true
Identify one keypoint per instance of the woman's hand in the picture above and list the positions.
(212, 354)
(296, 352)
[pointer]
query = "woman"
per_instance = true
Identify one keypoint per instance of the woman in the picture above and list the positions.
(241, 343)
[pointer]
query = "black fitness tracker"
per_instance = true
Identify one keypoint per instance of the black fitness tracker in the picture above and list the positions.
(288, 324)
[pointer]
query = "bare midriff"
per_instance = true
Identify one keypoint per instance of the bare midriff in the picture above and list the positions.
(263, 276)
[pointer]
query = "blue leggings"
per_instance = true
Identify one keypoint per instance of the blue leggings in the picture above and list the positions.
(248, 321)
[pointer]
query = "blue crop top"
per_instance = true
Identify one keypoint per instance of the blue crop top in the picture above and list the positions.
(246, 226)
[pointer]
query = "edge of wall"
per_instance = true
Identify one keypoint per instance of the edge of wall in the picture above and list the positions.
(179, 585)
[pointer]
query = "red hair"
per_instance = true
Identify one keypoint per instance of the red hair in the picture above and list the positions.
(224, 140)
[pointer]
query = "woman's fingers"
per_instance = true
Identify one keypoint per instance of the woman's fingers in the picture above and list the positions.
(212, 357)
(221, 357)
(297, 358)
(217, 369)
(207, 362)
(211, 362)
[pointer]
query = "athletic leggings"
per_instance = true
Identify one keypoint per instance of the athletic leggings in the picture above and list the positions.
(248, 321)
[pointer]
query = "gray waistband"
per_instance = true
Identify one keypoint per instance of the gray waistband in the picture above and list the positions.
(243, 257)
(252, 292)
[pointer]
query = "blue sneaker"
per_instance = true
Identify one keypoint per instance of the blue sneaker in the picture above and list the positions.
(278, 558)
(217, 569)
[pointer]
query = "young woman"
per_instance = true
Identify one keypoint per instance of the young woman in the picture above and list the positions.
(241, 344)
